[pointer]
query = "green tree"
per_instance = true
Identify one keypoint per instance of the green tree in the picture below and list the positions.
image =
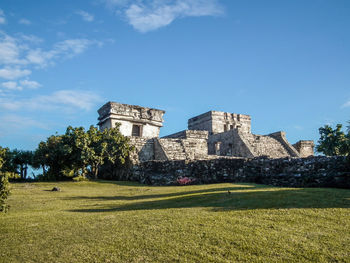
(21, 160)
(9, 165)
(333, 141)
(80, 152)
(40, 157)
(53, 154)
(4, 184)
(98, 147)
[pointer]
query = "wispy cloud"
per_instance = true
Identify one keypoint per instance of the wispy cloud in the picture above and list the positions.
(85, 16)
(30, 84)
(64, 49)
(20, 54)
(23, 84)
(2, 17)
(64, 100)
(24, 21)
(10, 50)
(12, 73)
(147, 16)
(11, 85)
(346, 104)
(30, 39)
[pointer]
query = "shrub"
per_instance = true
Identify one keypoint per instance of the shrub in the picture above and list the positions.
(4, 191)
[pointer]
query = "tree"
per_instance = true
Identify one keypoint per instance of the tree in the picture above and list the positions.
(40, 156)
(80, 152)
(117, 148)
(21, 160)
(53, 157)
(98, 147)
(333, 142)
(4, 184)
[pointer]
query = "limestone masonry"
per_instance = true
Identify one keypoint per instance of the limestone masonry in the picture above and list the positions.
(209, 136)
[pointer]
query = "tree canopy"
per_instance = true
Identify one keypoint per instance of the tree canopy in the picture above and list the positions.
(77, 152)
(81, 153)
(334, 142)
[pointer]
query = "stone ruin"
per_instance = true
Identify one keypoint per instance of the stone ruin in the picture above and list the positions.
(210, 135)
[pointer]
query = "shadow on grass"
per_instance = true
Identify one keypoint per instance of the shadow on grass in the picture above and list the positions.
(218, 199)
(167, 195)
(121, 183)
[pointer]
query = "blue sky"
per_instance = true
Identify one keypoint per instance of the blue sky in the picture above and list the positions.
(285, 63)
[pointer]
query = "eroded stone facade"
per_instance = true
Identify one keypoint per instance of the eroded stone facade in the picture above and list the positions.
(209, 136)
(217, 122)
(135, 120)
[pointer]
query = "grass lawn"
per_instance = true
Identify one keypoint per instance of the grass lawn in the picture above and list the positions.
(128, 222)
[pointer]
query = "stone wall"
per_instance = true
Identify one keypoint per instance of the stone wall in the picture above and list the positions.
(305, 148)
(186, 134)
(191, 148)
(201, 122)
(230, 144)
(184, 145)
(218, 122)
(317, 171)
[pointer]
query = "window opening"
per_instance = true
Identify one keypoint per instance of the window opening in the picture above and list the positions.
(136, 130)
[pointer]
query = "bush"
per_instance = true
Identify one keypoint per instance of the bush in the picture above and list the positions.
(4, 191)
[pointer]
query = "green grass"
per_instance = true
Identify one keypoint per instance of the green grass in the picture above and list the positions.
(126, 222)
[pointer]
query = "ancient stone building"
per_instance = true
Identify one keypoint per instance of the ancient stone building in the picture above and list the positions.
(135, 120)
(217, 122)
(209, 136)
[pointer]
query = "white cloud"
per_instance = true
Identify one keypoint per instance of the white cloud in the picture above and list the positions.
(85, 16)
(30, 38)
(24, 21)
(80, 99)
(63, 100)
(72, 47)
(18, 54)
(346, 104)
(146, 16)
(11, 85)
(12, 73)
(2, 17)
(30, 84)
(10, 50)
(64, 49)
(39, 57)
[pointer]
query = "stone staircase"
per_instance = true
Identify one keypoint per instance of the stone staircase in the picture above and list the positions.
(173, 149)
(265, 145)
(143, 149)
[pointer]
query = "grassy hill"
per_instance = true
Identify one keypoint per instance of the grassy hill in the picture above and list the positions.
(126, 222)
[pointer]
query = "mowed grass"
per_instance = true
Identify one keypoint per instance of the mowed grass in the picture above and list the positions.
(106, 221)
